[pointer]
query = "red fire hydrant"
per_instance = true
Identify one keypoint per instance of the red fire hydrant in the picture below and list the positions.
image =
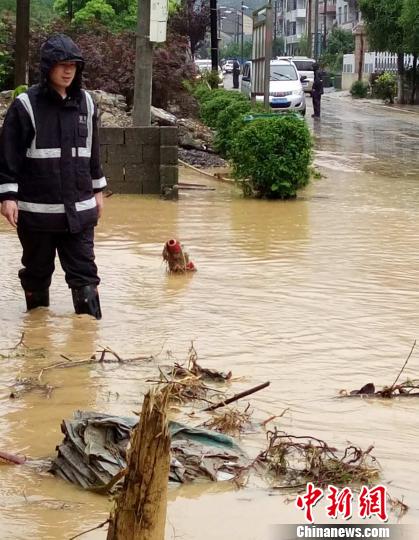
(176, 257)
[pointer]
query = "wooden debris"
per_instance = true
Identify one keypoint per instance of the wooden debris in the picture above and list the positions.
(238, 396)
(12, 459)
(141, 507)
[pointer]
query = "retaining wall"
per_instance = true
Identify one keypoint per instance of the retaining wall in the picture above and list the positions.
(140, 159)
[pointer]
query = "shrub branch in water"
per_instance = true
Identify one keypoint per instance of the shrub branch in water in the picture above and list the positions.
(307, 459)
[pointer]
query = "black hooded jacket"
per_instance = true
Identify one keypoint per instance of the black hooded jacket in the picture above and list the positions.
(49, 150)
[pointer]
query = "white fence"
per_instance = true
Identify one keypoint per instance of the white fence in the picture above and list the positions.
(375, 62)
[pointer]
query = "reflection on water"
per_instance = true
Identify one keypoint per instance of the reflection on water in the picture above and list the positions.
(315, 295)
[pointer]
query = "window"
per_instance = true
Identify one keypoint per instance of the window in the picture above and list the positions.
(304, 65)
(340, 15)
(283, 73)
(345, 14)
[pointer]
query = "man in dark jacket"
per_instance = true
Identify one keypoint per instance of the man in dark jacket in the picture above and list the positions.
(51, 180)
(317, 91)
(236, 73)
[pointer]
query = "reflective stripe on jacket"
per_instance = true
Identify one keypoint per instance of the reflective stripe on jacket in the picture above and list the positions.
(49, 160)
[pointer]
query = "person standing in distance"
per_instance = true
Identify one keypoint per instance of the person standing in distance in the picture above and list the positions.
(51, 180)
(317, 91)
(236, 74)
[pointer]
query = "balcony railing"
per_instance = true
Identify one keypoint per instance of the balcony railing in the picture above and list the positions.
(330, 9)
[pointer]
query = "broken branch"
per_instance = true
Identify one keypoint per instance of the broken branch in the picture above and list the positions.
(238, 396)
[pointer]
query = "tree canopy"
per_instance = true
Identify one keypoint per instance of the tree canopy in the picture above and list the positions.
(409, 21)
(339, 42)
(382, 18)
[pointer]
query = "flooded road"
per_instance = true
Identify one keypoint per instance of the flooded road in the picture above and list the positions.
(315, 295)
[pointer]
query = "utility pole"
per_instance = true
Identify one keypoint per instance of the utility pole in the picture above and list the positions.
(268, 54)
(143, 67)
(316, 29)
(309, 36)
(324, 24)
(275, 21)
(242, 34)
(22, 42)
(214, 35)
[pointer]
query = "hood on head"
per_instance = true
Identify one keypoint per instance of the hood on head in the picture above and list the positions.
(61, 48)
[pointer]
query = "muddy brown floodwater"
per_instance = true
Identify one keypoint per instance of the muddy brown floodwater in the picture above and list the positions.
(315, 295)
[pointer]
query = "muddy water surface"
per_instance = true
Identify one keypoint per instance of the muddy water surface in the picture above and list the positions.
(314, 295)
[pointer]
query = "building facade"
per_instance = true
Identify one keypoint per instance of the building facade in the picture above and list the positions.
(294, 24)
(347, 14)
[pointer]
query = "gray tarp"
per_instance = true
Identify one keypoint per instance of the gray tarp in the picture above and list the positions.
(94, 451)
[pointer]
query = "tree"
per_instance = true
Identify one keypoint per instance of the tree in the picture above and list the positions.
(233, 50)
(278, 46)
(339, 42)
(95, 10)
(409, 20)
(303, 46)
(191, 19)
(385, 32)
(116, 14)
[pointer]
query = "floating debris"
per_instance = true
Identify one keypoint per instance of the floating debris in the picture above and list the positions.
(196, 370)
(24, 385)
(12, 459)
(232, 421)
(94, 451)
(297, 460)
(410, 388)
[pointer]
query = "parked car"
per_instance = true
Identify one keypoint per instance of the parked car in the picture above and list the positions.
(304, 65)
(286, 92)
(206, 65)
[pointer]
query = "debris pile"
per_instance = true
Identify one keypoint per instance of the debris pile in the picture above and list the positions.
(94, 452)
(294, 461)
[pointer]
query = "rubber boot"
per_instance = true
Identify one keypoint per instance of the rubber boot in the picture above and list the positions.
(86, 300)
(36, 299)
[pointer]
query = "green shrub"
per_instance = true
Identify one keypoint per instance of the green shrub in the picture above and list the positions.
(212, 78)
(202, 92)
(359, 89)
(211, 108)
(385, 86)
(274, 155)
(230, 121)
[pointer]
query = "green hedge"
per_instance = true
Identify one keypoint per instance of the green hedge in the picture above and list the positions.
(231, 121)
(271, 156)
(274, 155)
(211, 108)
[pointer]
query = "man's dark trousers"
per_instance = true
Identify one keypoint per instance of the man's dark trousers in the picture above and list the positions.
(316, 103)
(75, 252)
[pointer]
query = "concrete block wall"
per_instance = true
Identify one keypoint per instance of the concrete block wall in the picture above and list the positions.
(139, 160)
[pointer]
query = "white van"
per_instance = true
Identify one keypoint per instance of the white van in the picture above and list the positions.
(286, 92)
(304, 65)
